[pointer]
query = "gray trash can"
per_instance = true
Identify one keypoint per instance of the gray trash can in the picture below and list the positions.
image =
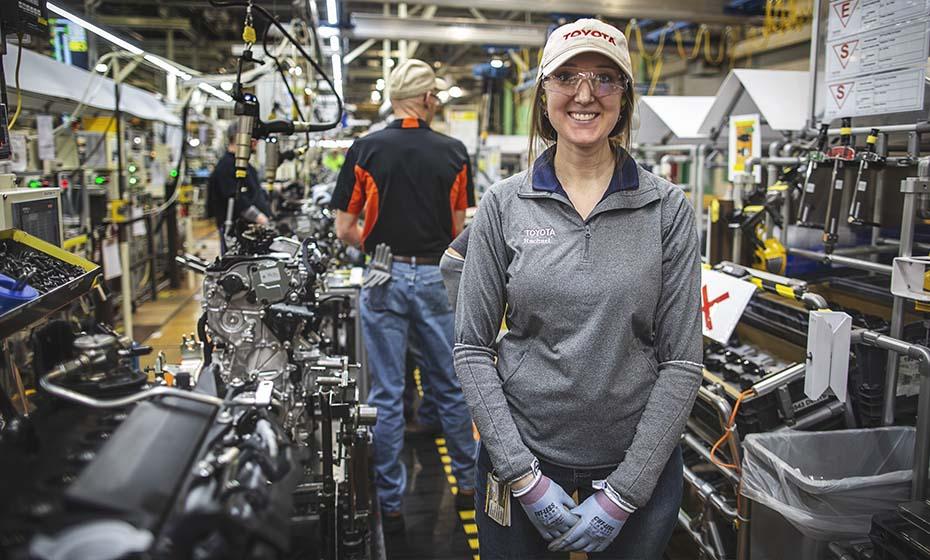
(810, 488)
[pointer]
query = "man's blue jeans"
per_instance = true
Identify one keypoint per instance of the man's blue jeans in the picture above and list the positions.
(416, 299)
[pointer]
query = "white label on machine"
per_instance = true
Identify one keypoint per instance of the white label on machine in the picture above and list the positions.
(862, 186)
(810, 187)
(44, 127)
(893, 92)
(847, 17)
(828, 335)
(838, 184)
(723, 300)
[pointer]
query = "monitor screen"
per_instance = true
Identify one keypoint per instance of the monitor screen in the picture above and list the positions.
(38, 218)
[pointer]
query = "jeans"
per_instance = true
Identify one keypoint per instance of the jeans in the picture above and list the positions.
(643, 537)
(414, 299)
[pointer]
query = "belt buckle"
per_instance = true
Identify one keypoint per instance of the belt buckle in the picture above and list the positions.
(413, 261)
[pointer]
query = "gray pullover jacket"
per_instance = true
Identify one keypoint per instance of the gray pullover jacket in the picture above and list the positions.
(601, 362)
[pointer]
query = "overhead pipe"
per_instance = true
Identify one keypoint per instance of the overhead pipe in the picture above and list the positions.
(858, 264)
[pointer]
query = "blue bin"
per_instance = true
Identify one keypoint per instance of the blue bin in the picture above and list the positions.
(10, 299)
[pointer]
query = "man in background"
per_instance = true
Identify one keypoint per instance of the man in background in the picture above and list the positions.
(412, 186)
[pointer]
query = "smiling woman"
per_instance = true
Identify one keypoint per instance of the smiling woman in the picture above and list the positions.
(595, 262)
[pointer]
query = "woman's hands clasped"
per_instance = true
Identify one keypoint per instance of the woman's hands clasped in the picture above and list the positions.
(548, 507)
(600, 520)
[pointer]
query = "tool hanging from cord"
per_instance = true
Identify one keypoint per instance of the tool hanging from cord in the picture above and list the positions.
(866, 157)
(840, 155)
(814, 156)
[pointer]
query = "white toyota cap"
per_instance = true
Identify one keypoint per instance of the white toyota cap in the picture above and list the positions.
(585, 35)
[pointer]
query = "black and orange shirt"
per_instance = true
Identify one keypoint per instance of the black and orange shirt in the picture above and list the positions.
(406, 181)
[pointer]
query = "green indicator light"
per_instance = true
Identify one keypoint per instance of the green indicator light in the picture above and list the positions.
(100, 179)
(133, 180)
(34, 184)
(174, 172)
(132, 168)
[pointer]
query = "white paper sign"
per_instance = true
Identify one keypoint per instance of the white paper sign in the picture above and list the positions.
(45, 127)
(111, 262)
(138, 228)
(876, 95)
(745, 142)
(897, 46)
(875, 57)
(828, 336)
(20, 158)
(723, 300)
(847, 17)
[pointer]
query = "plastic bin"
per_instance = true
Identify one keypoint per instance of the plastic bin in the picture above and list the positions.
(10, 298)
(823, 486)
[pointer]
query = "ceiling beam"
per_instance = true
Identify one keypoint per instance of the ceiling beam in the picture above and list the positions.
(447, 30)
(700, 11)
(137, 22)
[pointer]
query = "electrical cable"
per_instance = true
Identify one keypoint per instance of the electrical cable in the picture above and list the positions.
(283, 75)
(274, 21)
(19, 90)
(728, 432)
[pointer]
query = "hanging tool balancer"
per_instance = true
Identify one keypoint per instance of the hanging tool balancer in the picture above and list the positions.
(866, 157)
(840, 155)
(814, 156)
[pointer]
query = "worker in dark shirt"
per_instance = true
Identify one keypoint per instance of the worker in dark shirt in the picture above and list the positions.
(411, 185)
(252, 204)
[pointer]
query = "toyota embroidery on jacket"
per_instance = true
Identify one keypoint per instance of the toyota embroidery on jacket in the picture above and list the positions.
(538, 236)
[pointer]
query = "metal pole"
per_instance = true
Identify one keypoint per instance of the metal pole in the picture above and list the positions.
(123, 232)
(896, 329)
(812, 71)
(881, 148)
(916, 127)
(858, 264)
(697, 180)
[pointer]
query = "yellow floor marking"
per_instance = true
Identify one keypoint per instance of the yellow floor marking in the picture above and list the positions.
(471, 529)
(468, 515)
(473, 543)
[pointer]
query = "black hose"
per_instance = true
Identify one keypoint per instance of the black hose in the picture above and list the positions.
(202, 335)
(316, 66)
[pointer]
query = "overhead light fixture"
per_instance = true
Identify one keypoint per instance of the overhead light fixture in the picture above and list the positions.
(334, 42)
(125, 45)
(121, 43)
(497, 63)
(455, 92)
(379, 85)
(332, 16)
(337, 73)
(194, 142)
(215, 92)
(167, 67)
(102, 68)
(375, 96)
(226, 86)
(326, 31)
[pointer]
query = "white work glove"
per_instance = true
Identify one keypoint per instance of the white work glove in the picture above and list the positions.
(599, 524)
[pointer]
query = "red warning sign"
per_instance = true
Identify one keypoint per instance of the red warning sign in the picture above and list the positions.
(845, 9)
(841, 92)
(844, 51)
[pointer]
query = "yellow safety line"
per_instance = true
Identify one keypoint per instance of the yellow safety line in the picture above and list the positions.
(467, 516)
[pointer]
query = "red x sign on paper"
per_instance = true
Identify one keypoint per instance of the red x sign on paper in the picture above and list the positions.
(707, 303)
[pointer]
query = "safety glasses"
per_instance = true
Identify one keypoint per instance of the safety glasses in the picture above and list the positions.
(602, 84)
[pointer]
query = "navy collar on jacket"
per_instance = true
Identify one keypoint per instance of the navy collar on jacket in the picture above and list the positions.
(625, 178)
(407, 122)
